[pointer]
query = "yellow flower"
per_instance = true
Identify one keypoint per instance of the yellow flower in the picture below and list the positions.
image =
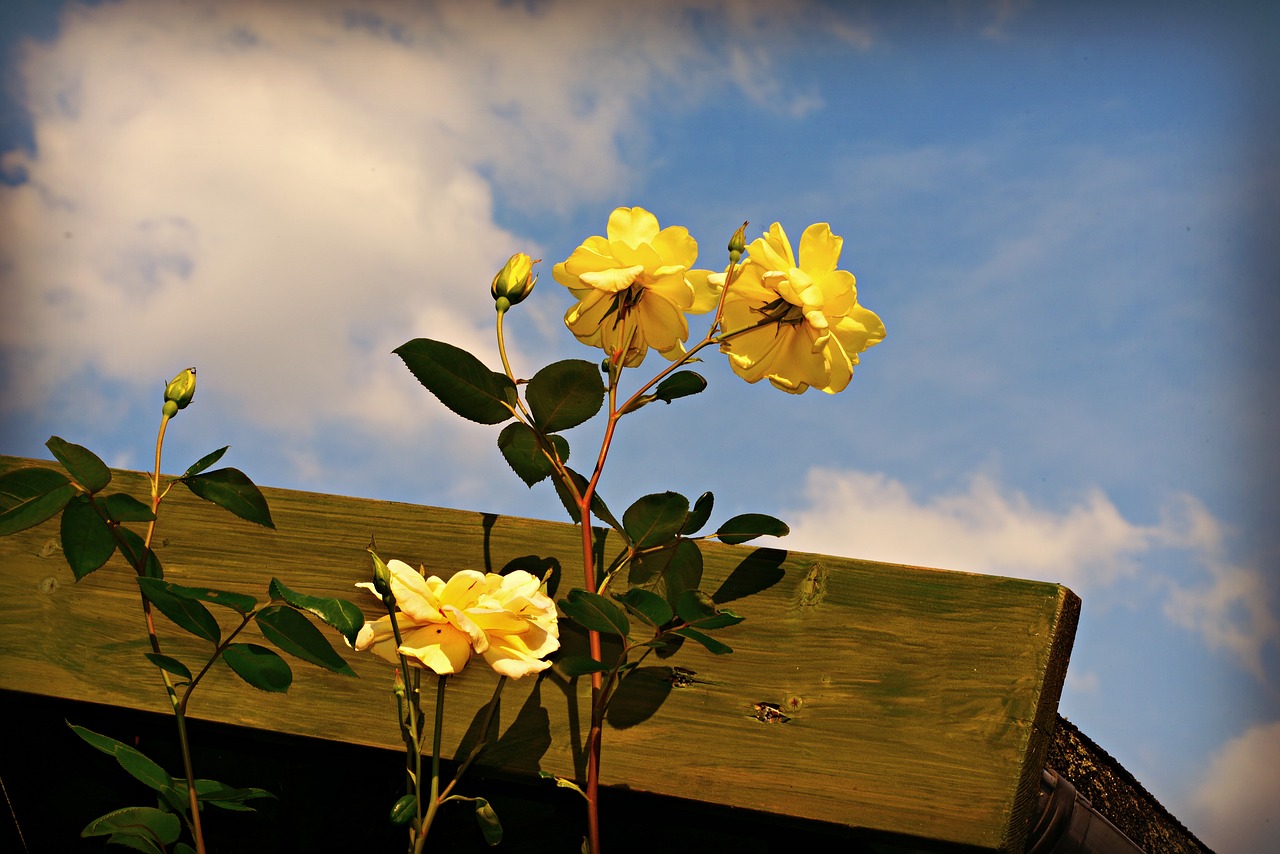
(514, 281)
(803, 324)
(505, 618)
(635, 286)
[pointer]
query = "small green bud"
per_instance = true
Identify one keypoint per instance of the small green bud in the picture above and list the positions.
(738, 244)
(382, 580)
(514, 281)
(179, 391)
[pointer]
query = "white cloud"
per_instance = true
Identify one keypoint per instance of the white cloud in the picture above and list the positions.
(1088, 546)
(984, 528)
(280, 193)
(1234, 807)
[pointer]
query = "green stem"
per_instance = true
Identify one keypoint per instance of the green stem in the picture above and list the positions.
(179, 706)
(434, 804)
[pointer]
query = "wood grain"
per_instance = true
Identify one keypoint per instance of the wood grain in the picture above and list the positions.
(921, 702)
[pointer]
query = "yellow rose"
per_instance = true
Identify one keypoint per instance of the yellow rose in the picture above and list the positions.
(635, 286)
(505, 618)
(803, 324)
(514, 281)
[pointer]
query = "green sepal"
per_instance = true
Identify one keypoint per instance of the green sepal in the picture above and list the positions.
(339, 614)
(681, 384)
(169, 665)
(294, 633)
(595, 612)
(461, 381)
(141, 823)
(205, 461)
(122, 507)
(232, 490)
(186, 613)
(655, 519)
(82, 464)
(29, 496)
(87, 542)
(260, 667)
(748, 526)
(565, 394)
(519, 446)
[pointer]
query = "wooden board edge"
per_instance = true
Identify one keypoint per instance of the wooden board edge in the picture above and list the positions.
(1044, 723)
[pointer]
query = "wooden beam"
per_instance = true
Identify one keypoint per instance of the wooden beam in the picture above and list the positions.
(920, 702)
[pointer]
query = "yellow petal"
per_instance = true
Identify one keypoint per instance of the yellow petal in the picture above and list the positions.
(820, 249)
(440, 647)
(612, 280)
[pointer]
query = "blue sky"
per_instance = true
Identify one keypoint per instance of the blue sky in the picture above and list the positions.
(1063, 212)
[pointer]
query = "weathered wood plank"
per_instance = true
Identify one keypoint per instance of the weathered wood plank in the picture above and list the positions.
(921, 702)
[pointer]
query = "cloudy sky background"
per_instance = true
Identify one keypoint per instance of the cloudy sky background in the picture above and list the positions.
(1064, 213)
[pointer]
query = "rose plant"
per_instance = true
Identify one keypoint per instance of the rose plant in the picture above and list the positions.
(94, 527)
(793, 319)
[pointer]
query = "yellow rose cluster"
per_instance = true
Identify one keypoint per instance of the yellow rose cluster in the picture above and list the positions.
(792, 319)
(507, 619)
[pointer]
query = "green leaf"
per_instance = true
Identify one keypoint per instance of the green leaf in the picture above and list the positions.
(205, 461)
(232, 490)
(488, 821)
(700, 514)
(597, 503)
(594, 612)
(134, 547)
(185, 613)
(125, 508)
(169, 665)
(337, 613)
(404, 810)
(131, 760)
(563, 783)
(295, 634)
(565, 394)
(143, 822)
(259, 666)
(29, 496)
(713, 646)
(655, 519)
(748, 526)
(86, 539)
(684, 570)
(681, 384)
(519, 446)
(579, 665)
(221, 795)
(460, 380)
(669, 571)
(699, 610)
(137, 840)
(81, 463)
(647, 605)
(238, 602)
